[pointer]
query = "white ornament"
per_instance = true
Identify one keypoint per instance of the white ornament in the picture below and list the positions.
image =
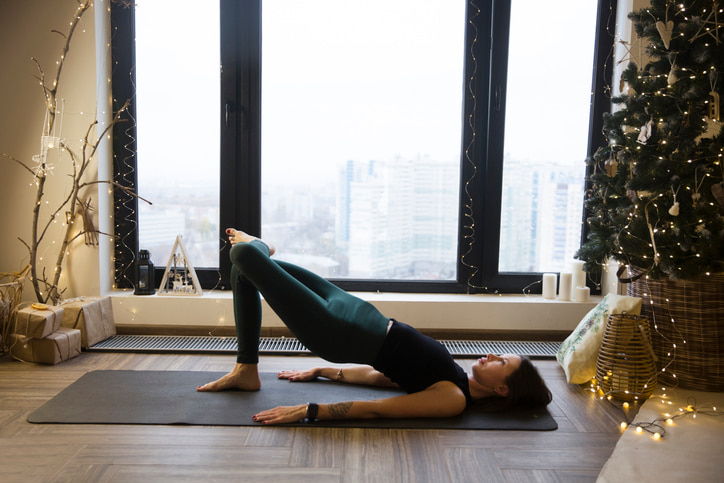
(674, 210)
(646, 131)
(180, 277)
(665, 30)
(671, 80)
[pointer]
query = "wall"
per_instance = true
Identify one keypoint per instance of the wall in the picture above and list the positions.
(26, 31)
(26, 26)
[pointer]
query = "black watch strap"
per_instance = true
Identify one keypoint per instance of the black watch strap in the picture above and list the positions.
(312, 411)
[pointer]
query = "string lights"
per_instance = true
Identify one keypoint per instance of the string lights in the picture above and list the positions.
(641, 215)
(125, 214)
(468, 212)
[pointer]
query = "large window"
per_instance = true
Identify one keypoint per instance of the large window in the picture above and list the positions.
(547, 109)
(361, 135)
(177, 94)
(413, 145)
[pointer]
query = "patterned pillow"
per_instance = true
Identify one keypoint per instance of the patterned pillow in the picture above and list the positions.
(579, 352)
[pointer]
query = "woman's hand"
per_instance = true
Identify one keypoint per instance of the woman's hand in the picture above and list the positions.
(281, 415)
(299, 376)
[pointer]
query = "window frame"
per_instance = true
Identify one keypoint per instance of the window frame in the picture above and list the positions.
(483, 120)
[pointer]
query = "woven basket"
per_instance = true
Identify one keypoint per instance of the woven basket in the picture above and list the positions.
(11, 293)
(625, 368)
(687, 329)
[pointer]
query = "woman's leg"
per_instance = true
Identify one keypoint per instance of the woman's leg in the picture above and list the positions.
(330, 322)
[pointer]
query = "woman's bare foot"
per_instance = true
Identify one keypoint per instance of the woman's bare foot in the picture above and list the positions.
(243, 376)
(238, 236)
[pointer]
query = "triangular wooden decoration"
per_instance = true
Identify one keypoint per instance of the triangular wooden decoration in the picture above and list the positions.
(178, 270)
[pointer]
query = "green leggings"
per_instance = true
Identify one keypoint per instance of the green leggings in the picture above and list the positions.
(331, 323)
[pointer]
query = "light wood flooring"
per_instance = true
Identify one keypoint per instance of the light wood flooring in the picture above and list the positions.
(576, 452)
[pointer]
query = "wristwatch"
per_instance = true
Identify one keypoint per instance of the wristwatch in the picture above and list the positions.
(312, 411)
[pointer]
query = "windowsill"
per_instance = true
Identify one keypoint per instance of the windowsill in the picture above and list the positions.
(508, 312)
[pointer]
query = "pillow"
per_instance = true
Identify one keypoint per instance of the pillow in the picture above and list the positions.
(579, 352)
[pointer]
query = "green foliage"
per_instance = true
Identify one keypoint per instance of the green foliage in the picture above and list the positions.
(655, 203)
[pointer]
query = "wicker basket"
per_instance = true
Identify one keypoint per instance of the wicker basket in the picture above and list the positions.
(11, 293)
(625, 368)
(687, 329)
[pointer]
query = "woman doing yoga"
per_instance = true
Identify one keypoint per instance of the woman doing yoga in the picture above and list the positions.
(342, 328)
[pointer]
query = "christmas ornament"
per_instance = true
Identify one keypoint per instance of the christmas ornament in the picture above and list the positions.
(674, 210)
(714, 106)
(611, 165)
(708, 26)
(646, 132)
(665, 30)
(671, 80)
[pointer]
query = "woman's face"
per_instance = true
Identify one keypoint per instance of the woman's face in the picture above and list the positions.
(491, 371)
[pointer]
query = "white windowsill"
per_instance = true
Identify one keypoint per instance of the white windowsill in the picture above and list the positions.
(508, 312)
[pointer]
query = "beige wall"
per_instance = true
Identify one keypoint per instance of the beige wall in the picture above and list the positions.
(25, 32)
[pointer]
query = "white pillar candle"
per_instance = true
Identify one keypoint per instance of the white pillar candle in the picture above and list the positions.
(579, 276)
(549, 285)
(582, 294)
(564, 289)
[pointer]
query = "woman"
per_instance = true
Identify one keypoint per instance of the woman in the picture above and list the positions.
(342, 328)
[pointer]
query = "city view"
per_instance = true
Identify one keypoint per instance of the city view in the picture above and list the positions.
(382, 220)
(361, 129)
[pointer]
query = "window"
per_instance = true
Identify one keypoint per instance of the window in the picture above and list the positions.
(377, 143)
(361, 135)
(177, 93)
(545, 145)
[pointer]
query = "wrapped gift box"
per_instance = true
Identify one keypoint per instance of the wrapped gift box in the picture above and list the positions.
(59, 346)
(37, 320)
(93, 316)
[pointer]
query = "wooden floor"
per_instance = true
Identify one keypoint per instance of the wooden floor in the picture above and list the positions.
(576, 452)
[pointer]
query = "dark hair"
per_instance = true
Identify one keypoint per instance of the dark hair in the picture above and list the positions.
(526, 390)
(526, 387)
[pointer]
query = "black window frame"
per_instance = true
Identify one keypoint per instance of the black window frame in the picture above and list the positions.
(485, 80)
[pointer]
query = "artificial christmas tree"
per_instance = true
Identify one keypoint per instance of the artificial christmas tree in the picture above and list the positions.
(656, 191)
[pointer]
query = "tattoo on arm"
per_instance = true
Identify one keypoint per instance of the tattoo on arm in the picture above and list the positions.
(339, 410)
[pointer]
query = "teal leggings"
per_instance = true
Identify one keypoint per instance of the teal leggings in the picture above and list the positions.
(331, 323)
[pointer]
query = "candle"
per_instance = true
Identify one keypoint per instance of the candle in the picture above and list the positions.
(582, 294)
(564, 289)
(549, 285)
(579, 276)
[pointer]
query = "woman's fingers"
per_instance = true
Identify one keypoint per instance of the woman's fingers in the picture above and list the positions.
(280, 415)
(296, 376)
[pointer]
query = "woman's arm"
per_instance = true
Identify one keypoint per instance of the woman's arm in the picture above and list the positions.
(441, 400)
(363, 375)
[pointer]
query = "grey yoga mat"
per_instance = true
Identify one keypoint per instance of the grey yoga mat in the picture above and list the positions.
(170, 397)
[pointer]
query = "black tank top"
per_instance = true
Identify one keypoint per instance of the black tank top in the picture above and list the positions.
(415, 361)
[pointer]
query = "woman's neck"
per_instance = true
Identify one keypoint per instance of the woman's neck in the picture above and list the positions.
(478, 391)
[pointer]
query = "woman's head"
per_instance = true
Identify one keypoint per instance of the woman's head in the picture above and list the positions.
(511, 381)
(526, 387)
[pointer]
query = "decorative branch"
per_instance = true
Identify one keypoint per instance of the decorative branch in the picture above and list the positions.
(46, 288)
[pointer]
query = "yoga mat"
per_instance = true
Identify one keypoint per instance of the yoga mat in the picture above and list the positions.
(170, 397)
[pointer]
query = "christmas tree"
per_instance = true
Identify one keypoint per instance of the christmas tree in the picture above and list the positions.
(655, 194)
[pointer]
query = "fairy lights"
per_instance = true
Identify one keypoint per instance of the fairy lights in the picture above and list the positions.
(660, 233)
(468, 213)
